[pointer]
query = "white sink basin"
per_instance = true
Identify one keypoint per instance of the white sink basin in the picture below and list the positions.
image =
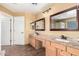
(62, 40)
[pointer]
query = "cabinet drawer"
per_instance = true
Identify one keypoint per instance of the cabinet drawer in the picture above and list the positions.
(73, 51)
(58, 46)
(62, 53)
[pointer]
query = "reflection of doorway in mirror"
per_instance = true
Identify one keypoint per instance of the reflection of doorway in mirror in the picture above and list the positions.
(72, 25)
(57, 25)
(62, 25)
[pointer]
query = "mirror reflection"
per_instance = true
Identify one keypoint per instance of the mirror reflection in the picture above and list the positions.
(65, 20)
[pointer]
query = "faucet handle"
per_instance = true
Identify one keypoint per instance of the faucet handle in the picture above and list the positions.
(63, 37)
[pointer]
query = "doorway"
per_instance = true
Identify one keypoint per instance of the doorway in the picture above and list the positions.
(12, 30)
(5, 30)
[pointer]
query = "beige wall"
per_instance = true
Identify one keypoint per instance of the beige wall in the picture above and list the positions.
(56, 8)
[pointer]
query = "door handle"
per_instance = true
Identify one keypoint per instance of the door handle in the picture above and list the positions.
(10, 40)
(22, 32)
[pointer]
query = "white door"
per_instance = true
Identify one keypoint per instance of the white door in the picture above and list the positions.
(19, 30)
(5, 31)
(0, 34)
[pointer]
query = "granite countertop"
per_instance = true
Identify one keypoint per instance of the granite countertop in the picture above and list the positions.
(71, 43)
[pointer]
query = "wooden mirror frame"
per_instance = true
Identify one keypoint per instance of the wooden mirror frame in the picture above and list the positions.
(42, 19)
(77, 17)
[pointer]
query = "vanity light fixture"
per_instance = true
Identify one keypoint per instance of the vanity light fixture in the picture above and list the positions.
(47, 10)
(35, 4)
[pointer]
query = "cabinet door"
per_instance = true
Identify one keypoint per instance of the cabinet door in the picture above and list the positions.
(44, 43)
(48, 44)
(38, 44)
(62, 53)
(73, 51)
(50, 52)
(58, 46)
(32, 40)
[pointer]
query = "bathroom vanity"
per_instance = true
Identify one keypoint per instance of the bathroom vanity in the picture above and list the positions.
(54, 47)
(66, 20)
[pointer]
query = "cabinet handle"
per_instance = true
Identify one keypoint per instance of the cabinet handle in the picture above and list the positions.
(50, 43)
(61, 50)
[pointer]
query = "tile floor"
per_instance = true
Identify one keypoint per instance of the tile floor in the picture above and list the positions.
(20, 50)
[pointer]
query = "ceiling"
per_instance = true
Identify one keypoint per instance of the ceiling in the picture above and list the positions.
(25, 7)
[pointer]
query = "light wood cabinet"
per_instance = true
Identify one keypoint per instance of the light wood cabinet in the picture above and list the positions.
(58, 46)
(73, 51)
(35, 42)
(53, 48)
(43, 43)
(32, 41)
(48, 44)
(50, 52)
(62, 53)
(38, 44)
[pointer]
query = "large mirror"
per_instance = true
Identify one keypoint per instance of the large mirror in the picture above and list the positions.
(65, 20)
(40, 25)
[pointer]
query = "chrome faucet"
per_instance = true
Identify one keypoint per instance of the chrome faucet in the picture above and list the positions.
(36, 33)
(63, 37)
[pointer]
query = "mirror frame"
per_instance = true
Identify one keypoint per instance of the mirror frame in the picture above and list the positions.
(42, 19)
(77, 17)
